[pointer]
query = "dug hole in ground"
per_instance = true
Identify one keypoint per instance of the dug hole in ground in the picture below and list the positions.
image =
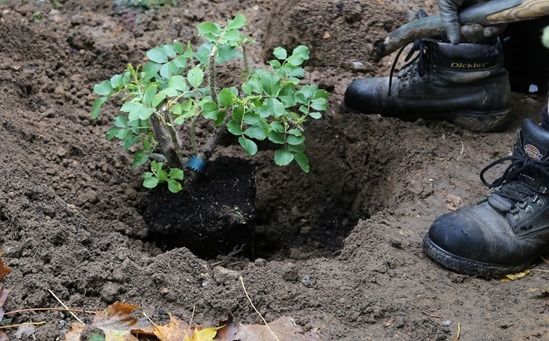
(338, 249)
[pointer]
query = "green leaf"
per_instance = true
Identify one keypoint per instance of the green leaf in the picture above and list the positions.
(117, 81)
(103, 89)
(275, 107)
(277, 126)
(176, 174)
(276, 137)
(157, 55)
(320, 104)
(158, 98)
(178, 82)
(251, 119)
(180, 62)
(139, 159)
(169, 50)
(150, 70)
(283, 157)
(256, 133)
(176, 109)
(170, 92)
(208, 106)
(295, 140)
(303, 162)
(315, 115)
(275, 64)
(234, 128)
(280, 53)
(249, 146)
(225, 98)
(238, 22)
(226, 53)
(270, 84)
(137, 111)
(150, 92)
(195, 77)
(120, 121)
(301, 51)
(208, 29)
(150, 181)
(96, 107)
(168, 69)
(174, 186)
(231, 37)
(116, 133)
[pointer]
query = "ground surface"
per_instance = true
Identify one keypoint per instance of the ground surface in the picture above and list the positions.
(71, 210)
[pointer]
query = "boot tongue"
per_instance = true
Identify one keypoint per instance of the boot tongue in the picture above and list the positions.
(534, 142)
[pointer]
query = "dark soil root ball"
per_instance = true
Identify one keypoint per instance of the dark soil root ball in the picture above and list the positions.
(213, 215)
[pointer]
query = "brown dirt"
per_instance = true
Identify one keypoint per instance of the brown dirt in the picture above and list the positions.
(71, 210)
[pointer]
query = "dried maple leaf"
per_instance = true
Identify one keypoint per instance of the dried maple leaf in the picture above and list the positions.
(284, 328)
(4, 270)
(116, 322)
(175, 330)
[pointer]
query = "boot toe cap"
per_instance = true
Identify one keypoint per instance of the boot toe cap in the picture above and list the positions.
(365, 95)
(460, 235)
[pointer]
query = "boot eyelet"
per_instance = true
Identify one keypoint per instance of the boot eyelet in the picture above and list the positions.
(541, 202)
(529, 209)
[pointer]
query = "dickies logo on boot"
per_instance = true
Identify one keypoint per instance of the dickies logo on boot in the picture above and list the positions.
(533, 152)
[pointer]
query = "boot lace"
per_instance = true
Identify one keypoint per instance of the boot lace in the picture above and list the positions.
(510, 186)
(416, 65)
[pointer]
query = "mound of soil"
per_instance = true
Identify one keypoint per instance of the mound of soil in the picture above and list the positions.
(342, 245)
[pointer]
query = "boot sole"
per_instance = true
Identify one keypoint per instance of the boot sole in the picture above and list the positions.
(467, 266)
(481, 122)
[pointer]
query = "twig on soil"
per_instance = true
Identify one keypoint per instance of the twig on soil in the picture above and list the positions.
(461, 151)
(30, 310)
(431, 315)
(148, 318)
(540, 270)
(63, 304)
(192, 316)
(23, 324)
(257, 311)
(544, 260)
(458, 334)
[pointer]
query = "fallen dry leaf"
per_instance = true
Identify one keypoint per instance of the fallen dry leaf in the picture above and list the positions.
(4, 270)
(117, 324)
(3, 337)
(175, 330)
(514, 277)
(284, 328)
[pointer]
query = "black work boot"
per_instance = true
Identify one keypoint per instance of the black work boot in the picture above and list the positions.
(465, 84)
(508, 230)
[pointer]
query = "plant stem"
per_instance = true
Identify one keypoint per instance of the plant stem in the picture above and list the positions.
(193, 136)
(245, 62)
(176, 144)
(211, 74)
(163, 141)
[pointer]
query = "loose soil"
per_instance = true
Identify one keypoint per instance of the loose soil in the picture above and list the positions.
(340, 247)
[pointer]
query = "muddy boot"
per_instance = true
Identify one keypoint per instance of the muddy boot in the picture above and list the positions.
(465, 84)
(510, 228)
